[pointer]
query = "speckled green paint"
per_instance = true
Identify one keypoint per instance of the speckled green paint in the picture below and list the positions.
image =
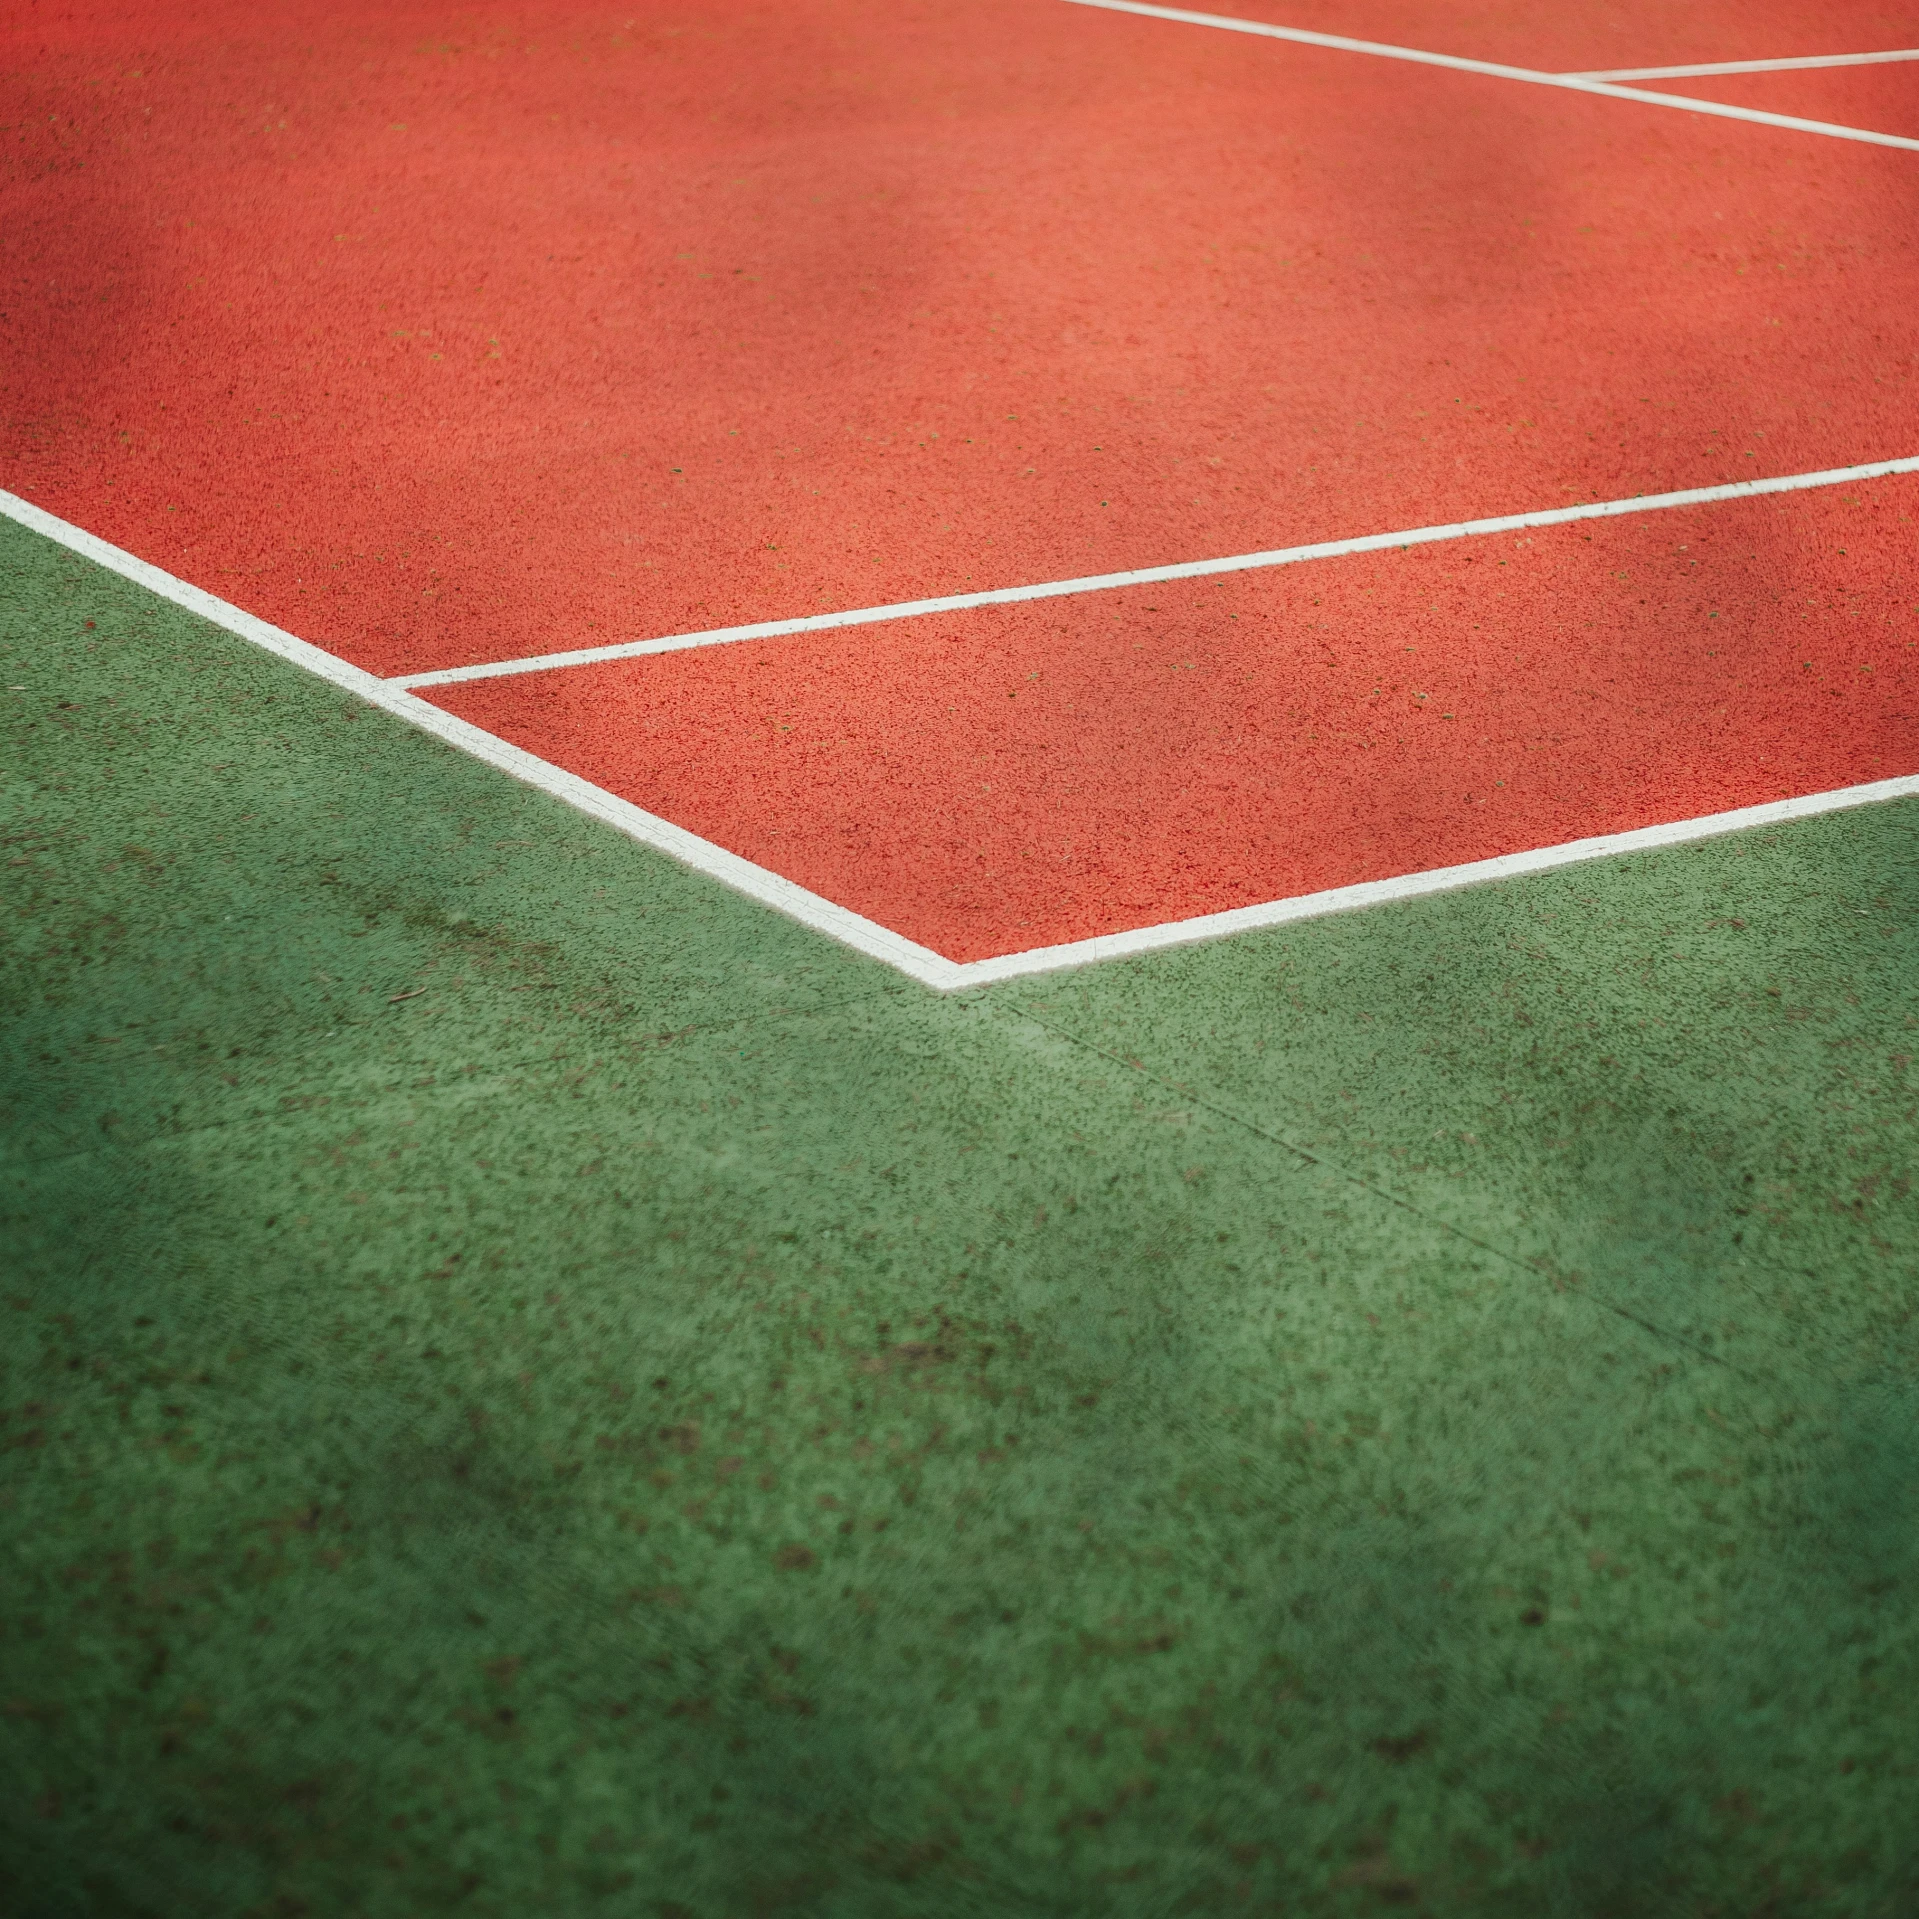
(533, 1385)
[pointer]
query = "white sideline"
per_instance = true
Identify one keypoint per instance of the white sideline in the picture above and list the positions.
(1752, 66)
(852, 929)
(663, 836)
(1570, 82)
(1153, 575)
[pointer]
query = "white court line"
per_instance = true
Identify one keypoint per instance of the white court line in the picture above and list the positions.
(1569, 82)
(770, 889)
(853, 929)
(1152, 575)
(1752, 66)
(1443, 879)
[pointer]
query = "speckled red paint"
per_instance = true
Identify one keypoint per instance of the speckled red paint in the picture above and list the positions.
(445, 337)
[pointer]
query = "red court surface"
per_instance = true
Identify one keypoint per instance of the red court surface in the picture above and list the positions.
(1022, 776)
(440, 340)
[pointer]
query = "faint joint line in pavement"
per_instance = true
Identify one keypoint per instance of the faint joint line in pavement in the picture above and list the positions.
(1438, 1222)
(1493, 69)
(94, 1149)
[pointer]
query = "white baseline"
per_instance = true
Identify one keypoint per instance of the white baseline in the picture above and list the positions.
(1442, 879)
(1154, 575)
(1569, 82)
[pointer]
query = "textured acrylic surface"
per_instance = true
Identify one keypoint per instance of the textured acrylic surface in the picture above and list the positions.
(533, 1385)
(1013, 777)
(441, 340)
(436, 340)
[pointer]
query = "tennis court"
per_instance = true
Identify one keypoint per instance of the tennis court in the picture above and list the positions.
(963, 958)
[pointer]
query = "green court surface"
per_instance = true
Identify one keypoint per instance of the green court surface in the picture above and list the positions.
(535, 1385)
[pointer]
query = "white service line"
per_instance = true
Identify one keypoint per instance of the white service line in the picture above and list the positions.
(1570, 82)
(1753, 66)
(1153, 575)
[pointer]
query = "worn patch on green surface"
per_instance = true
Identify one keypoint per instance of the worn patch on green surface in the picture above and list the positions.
(533, 1385)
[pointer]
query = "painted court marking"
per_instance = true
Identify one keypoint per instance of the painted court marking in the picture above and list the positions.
(1152, 575)
(1569, 82)
(1752, 66)
(867, 936)
(688, 848)
(1444, 879)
